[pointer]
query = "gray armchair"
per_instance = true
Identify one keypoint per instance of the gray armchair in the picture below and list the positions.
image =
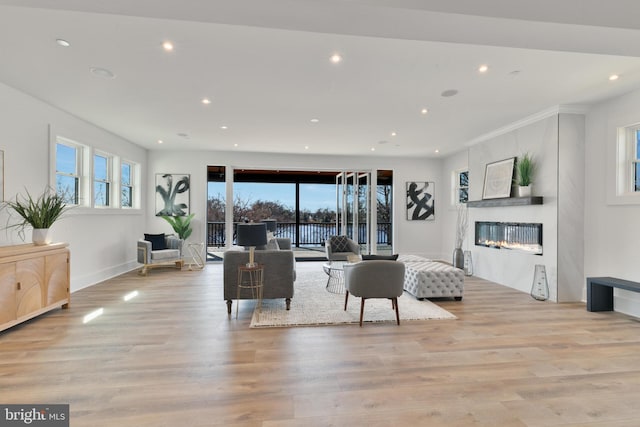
(340, 248)
(374, 279)
(167, 252)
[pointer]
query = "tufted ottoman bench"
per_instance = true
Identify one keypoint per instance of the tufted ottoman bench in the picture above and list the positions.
(432, 279)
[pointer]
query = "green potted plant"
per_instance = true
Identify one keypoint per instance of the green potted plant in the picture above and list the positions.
(181, 225)
(525, 168)
(37, 212)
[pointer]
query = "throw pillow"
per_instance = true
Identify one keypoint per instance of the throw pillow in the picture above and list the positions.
(340, 244)
(158, 241)
(393, 257)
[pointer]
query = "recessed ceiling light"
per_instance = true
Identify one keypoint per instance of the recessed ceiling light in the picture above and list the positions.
(393, 134)
(224, 127)
(102, 72)
(437, 151)
(306, 147)
(63, 43)
(168, 46)
(235, 145)
(206, 101)
(613, 77)
(160, 141)
(335, 58)
(449, 92)
(483, 68)
(314, 120)
(373, 148)
(424, 111)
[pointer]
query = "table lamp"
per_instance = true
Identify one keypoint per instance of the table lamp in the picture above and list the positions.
(272, 224)
(252, 234)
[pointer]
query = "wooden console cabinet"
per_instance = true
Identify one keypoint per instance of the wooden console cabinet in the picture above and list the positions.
(33, 280)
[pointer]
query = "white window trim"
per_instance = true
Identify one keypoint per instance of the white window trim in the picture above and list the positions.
(455, 186)
(108, 180)
(134, 175)
(85, 178)
(625, 156)
(81, 152)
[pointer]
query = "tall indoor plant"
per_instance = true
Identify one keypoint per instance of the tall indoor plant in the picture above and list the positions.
(525, 168)
(181, 225)
(39, 213)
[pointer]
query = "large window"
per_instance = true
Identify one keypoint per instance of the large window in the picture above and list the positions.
(68, 171)
(94, 179)
(101, 180)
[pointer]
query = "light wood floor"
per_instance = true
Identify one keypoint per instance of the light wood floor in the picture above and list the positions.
(172, 357)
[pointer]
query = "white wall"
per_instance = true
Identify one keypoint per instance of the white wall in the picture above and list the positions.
(102, 243)
(417, 237)
(612, 232)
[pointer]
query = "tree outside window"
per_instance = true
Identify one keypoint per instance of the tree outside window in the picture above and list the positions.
(126, 185)
(101, 180)
(68, 172)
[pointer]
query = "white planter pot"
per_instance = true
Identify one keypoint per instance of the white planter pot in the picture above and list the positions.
(524, 191)
(41, 236)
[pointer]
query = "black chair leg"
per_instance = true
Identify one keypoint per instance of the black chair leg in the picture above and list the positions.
(361, 311)
(346, 298)
(395, 303)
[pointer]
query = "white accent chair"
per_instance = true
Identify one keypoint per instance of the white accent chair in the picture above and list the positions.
(167, 254)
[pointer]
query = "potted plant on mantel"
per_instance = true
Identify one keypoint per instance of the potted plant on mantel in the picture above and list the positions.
(525, 168)
(39, 213)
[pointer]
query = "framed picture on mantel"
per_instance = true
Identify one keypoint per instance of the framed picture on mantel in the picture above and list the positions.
(498, 178)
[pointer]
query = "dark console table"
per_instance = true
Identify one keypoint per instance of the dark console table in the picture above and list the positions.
(600, 291)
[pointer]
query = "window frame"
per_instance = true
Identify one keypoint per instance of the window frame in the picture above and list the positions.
(627, 159)
(79, 168)
(108, 180)
(455, 197)
(132, 184)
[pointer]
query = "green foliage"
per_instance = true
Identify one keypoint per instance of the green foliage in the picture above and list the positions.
(39, 212)
(525, 167)
(181, 225)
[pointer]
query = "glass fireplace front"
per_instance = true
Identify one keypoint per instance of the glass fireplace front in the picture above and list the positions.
(525, 237)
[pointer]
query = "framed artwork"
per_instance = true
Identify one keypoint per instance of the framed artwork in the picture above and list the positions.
(498, 179)
(421, 201)
(172, 194)
(1, 176)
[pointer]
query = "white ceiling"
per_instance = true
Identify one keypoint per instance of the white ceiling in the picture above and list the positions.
(265, 66)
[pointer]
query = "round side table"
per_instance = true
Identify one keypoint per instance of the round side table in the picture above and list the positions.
(251, 278)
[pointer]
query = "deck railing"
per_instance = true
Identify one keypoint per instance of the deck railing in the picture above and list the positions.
(309, 234)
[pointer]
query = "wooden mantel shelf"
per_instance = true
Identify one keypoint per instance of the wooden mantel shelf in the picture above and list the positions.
(507, 201)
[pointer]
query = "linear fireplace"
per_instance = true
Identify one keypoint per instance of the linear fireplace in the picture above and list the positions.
(526, 237)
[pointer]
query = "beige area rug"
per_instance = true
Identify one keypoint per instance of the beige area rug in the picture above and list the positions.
(313, 305)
